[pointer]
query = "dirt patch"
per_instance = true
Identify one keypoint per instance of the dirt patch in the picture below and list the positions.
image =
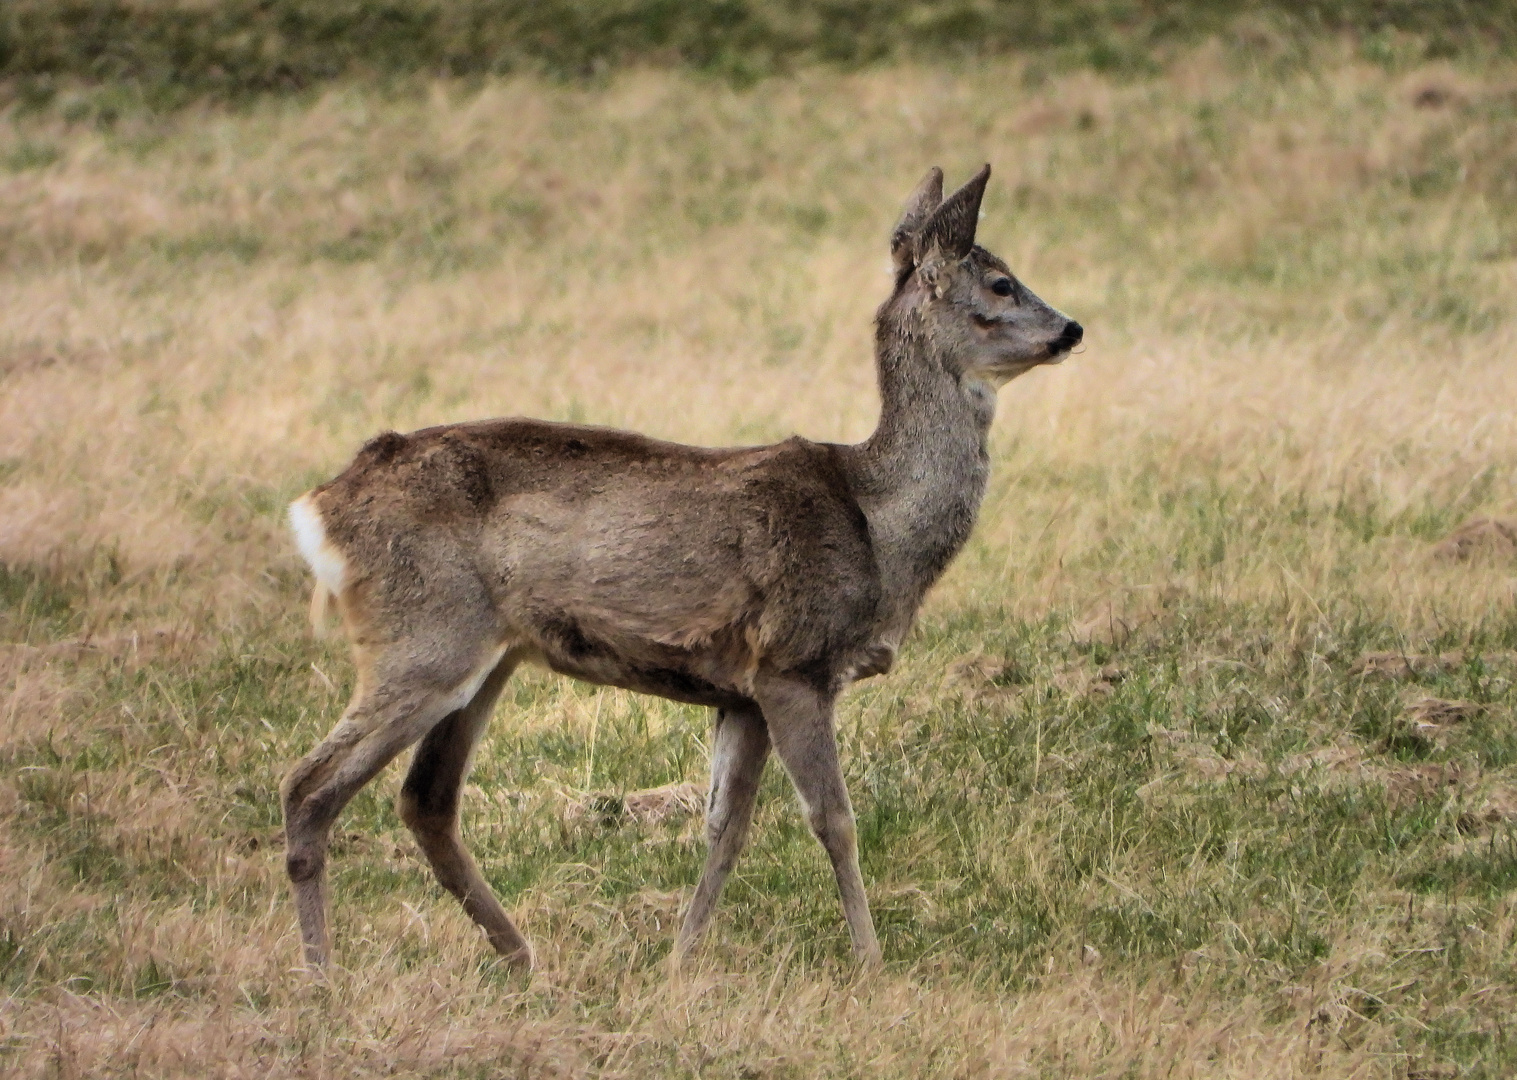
(1483, 538)
(1485, 802)
(1083, 682)
(1497, 805)
(1197, 759)
(1437, 95)
(1344, 757)
(1431, 716)
(987, 673)
(652, 913)
(1407, 785)
(1117, 619)
(670, 801)
(1396, 664)
(1403, 665)
(1003, 675)
(650, 806)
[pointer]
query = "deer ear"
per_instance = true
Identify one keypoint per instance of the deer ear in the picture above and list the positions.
(924, 200)
(952, 225)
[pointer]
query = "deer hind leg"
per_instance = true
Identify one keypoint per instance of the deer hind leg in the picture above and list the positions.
(398, 704)
(739, 749)
(801, 725)
(429, 804)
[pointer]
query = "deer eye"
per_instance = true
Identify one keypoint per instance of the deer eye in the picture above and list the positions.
(1001, 286)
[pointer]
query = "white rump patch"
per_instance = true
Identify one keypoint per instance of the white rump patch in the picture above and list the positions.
(326, 561)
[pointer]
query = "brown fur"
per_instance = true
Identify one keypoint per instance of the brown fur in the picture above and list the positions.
(563, 528)
(759, 580)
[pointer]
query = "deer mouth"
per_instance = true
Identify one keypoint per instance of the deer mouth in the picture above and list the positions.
(1072, 334)
(1060, 348)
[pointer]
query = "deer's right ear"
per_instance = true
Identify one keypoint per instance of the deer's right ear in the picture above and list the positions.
(924, 200)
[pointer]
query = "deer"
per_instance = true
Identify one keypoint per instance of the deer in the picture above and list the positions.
(759, 581)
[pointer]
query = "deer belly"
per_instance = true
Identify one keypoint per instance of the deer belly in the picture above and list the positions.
(714, 669)
(674, 681)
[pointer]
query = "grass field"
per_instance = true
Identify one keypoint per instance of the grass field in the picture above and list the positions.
(1201, 762)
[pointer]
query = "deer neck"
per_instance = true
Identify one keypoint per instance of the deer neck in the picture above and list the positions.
(921, 476)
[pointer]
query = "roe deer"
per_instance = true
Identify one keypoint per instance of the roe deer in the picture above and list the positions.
(760, 581)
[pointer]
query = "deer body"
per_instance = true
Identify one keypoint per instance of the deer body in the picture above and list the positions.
(759, 581)
(611, 557)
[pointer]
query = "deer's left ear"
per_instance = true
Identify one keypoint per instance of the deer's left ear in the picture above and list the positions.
(951, 227)
(924, 200)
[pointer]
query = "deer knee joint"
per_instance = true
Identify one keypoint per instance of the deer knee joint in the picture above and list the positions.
(408, 806)
(832, 825)
(717, 819)
(303, 865)
(293, 791)
(422, 819)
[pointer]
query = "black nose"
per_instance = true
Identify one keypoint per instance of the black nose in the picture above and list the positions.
(1072, 334)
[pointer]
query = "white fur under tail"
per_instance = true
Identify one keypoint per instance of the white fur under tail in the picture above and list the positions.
(326, 562)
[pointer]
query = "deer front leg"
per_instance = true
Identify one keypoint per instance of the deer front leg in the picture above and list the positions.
(739, 749)
(801, 727)
(429, 804)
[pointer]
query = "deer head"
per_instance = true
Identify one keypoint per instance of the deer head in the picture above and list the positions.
(986, 324)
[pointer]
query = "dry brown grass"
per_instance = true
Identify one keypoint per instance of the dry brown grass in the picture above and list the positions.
(1299, 376)
(1079, 1023)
